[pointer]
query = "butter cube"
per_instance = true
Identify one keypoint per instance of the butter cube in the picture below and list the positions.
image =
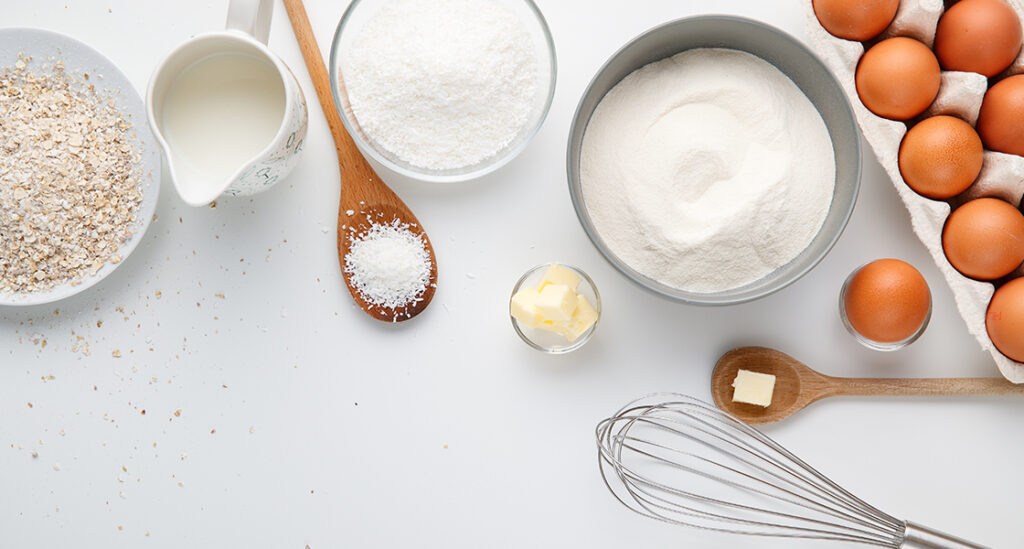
(523, 307)
(753, 388)
(557, 274)
(556, 302)
(582, 319)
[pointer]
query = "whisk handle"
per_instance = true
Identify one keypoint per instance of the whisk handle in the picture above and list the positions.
(916, 536)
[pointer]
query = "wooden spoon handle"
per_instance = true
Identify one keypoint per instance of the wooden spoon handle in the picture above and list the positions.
(957, 386)
(346, 148)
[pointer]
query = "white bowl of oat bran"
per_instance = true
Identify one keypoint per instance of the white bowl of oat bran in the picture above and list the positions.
(78, 184)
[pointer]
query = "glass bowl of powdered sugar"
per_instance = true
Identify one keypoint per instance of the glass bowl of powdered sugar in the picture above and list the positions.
(714, 160)
(442, 90)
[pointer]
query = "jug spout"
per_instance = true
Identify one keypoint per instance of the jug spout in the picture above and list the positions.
(195, 187)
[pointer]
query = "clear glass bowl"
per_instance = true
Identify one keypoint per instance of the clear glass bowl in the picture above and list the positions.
(870, 343)
(550, 342)
(360, 12)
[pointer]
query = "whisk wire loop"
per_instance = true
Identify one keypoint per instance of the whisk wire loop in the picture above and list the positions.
(664, 460)
(824, 508)
(750, 459)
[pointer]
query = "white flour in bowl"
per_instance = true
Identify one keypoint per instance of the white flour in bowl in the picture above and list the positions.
(707, 170)
(442, 84)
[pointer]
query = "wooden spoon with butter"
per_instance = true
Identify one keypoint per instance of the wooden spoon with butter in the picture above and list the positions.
(365, 198)
(797, 385)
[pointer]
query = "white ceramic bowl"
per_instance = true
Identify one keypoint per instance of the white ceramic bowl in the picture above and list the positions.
(46, 47)
(359, 12)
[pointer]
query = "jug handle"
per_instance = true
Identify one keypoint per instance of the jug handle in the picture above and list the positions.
(251, 17)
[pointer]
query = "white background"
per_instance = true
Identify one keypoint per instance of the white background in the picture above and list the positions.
(303, 421)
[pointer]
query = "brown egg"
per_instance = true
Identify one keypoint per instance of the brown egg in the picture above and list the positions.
(898, 78)
(1005, 319)
(1001, 119)
(940, 157)
(984, 238)
(978, 36)
(887, 301)
(858, 20)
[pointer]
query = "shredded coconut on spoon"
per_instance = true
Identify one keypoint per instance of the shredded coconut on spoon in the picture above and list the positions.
(388, 265)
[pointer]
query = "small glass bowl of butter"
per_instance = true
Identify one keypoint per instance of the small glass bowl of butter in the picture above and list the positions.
(555, 308)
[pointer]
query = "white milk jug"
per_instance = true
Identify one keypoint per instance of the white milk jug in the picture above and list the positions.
(228, 113)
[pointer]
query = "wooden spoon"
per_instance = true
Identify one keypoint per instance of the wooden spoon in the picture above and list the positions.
(797, 385)
(362, 191)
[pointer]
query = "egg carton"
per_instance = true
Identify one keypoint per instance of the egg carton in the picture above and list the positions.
(960, 95)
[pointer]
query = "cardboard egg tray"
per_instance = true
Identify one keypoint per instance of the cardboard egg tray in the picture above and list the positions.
(960, 95)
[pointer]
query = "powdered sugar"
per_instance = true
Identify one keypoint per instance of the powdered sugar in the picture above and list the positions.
(442, 84)
(388, 265)
(707, 170)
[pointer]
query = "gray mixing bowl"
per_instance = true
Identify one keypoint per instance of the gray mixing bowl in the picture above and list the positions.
(790, 56)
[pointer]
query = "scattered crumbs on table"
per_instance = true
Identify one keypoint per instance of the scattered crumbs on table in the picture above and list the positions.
(56, 467)
(159, 294)
(29, 404)
(213, 205)
(177, 413)
(35, 454)
(219, 295)
(212, 431)
(116, 353)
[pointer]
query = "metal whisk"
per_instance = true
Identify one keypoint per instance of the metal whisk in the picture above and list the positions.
(677, 459)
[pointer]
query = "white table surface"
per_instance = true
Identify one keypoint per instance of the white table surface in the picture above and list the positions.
(304, 422)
